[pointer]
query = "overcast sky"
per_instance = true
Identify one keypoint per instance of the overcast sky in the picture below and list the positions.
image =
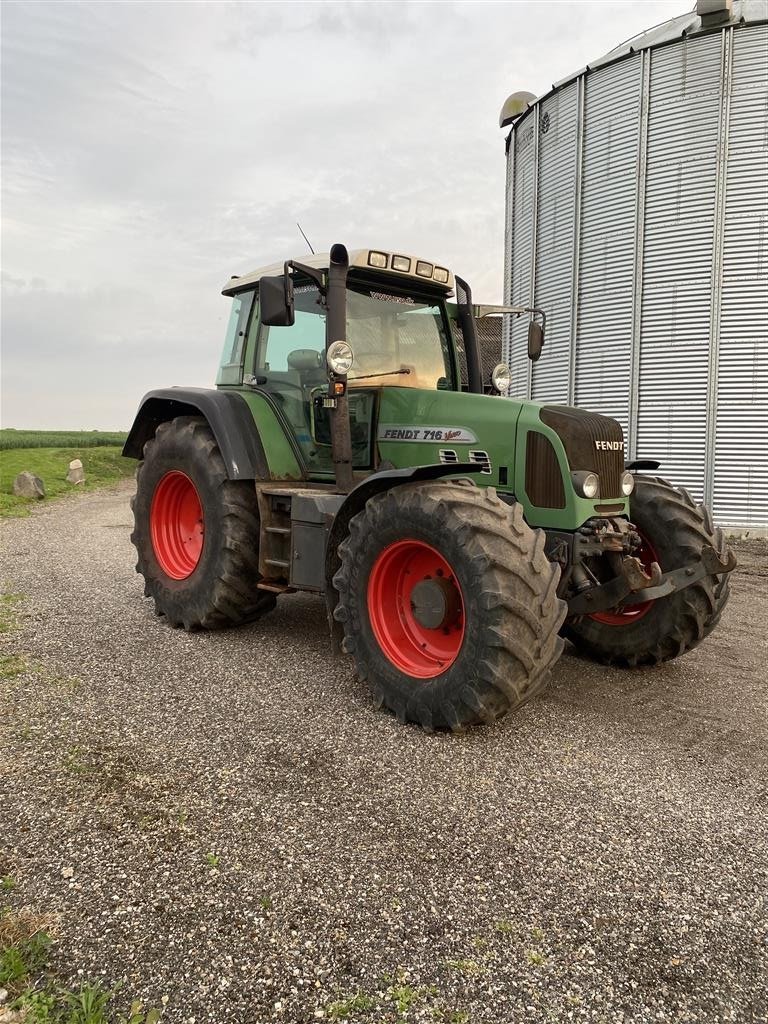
(152, 151)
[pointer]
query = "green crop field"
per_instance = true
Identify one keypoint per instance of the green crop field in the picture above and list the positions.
(59, 439)
(48, 453)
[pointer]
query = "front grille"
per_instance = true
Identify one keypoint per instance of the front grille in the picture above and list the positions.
(607, 510)
(579, 431)
(543, 479)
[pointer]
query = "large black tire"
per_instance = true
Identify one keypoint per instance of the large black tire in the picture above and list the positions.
(221, 591)
(511, 612)
(679, 530)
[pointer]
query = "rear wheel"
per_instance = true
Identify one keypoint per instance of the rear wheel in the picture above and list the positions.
(448, 603)
(196, 531)
(176, 525)
(675, 531)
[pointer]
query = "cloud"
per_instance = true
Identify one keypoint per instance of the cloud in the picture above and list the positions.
(152, 150)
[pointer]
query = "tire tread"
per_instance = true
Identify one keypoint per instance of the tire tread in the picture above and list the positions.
(232, 597)
(505, 557)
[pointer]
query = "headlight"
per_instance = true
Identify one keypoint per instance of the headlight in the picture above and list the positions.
(424, 269)
(586, 484)
(340, 357)
(627, 484)
(501, 378)
(377, 259)
(401, 263)
(441, 275)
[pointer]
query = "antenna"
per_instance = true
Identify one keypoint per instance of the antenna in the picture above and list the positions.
(305, 238)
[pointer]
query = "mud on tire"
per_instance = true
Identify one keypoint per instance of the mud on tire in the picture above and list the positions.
(509, 590)
(221, 591)
(679, 530)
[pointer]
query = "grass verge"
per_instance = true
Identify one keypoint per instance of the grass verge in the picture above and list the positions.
(103, 465)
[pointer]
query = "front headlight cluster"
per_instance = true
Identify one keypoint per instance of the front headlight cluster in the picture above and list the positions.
(588, 484)
(627, 484)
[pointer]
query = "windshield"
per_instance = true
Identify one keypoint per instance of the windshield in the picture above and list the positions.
(390, 333)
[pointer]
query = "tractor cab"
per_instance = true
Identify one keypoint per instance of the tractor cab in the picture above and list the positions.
(400, 332)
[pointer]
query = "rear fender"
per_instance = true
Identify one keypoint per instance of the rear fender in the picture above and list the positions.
(228, 416)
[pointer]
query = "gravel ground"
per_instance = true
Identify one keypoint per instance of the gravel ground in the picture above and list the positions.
(223, 823)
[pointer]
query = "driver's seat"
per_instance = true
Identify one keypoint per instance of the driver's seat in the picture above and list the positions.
(305, 360)
(309, 364)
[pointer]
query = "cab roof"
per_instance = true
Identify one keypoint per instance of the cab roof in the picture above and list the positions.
(420, 271)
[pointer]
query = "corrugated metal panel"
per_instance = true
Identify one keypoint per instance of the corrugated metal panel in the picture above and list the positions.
(606, 265)
(683, 128)
(506, 326)
(740, 495)
(555, 240)
(670, 240)
(521, 243)
(639, 255)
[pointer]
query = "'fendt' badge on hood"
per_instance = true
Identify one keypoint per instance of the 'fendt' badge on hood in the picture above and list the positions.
(609, 446)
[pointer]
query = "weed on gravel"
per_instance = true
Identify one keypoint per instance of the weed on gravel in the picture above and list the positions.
(12, 665)
(24, 942)
(9, 614)
(29, 994)
(396, 1001)
(343, 1009)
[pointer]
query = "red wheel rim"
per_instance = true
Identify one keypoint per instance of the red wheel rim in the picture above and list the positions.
(176, 525)
(634, 612)
(413, 646)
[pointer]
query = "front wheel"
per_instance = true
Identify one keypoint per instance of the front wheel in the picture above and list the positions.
(674, 532)
(448, 603)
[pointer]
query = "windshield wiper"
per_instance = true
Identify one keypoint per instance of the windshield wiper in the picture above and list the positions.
(389, 373)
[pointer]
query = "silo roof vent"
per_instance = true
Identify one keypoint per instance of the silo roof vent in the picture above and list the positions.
(514, 106)
(712, 12)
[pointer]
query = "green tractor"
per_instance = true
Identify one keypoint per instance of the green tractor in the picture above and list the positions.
(354, 448)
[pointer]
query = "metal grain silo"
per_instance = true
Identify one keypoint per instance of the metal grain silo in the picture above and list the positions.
(637, 217)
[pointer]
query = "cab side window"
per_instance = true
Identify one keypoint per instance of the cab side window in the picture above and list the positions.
(231, 365)
(282, 350)
(290, 365)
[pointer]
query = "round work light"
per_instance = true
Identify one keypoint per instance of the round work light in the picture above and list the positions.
(340, 357)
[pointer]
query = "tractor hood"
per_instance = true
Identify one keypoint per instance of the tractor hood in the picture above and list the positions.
(522, 448)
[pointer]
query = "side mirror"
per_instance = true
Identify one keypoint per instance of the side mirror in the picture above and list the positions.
(535, 340)
(276, 301)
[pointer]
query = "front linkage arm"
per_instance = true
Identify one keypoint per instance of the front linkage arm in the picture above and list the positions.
(631, 586)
